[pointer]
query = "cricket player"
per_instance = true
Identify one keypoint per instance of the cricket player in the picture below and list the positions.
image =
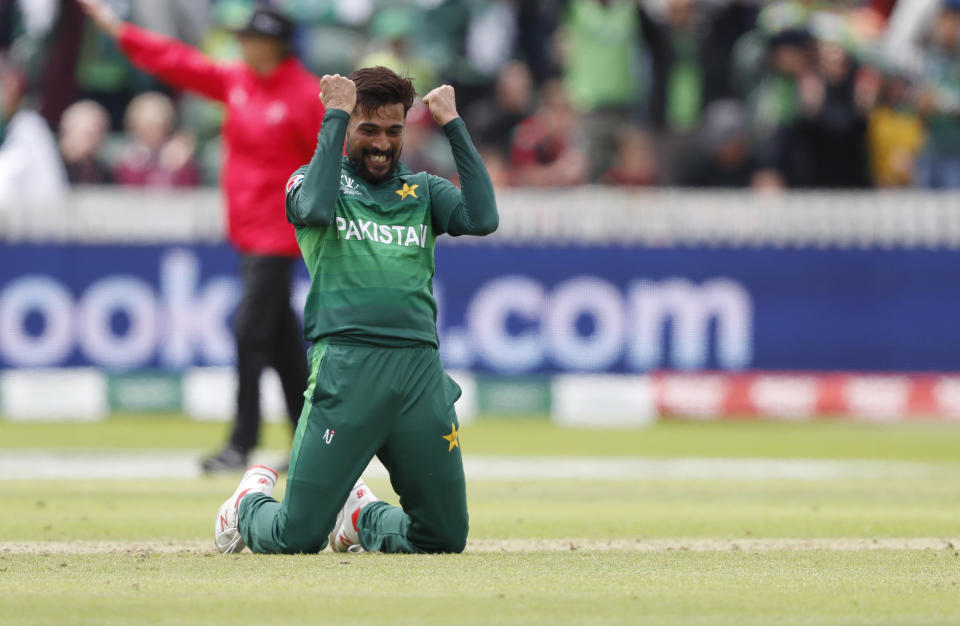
(367, 227)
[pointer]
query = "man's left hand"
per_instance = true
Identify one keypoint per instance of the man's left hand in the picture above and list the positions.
(442, 104)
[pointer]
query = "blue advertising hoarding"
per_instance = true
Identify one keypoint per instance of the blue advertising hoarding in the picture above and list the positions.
(516, 309)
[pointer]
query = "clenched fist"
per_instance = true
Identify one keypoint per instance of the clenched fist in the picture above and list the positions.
(442, 104)
(338, 92)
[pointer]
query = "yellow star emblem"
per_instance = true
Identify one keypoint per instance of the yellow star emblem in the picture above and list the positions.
(452, 438)
(408, 190)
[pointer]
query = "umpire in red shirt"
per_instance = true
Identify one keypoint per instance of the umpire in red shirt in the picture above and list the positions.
(273, 115)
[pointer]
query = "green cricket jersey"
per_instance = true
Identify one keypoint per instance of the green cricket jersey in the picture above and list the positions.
(370, 248)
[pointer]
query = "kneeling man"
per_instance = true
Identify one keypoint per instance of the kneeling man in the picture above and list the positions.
(367, 227)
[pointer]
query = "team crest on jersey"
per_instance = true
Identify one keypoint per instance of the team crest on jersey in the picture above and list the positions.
(453, 438)
(408, 190)
(348, 186)
(294, 181)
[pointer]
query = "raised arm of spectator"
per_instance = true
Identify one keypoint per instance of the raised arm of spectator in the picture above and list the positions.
(170, 60)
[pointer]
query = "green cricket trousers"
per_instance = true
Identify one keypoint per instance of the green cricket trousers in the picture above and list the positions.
(365, 400)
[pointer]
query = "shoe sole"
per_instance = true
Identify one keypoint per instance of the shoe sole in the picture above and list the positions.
(236, 544)
(332, 537)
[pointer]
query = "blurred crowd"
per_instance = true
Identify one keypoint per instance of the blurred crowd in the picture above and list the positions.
(694, 93)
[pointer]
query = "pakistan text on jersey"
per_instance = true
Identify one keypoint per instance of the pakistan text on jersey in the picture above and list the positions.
(398, 235)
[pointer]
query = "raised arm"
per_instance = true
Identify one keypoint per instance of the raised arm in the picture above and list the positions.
(312, 201)
(472, 209)
(170, 60)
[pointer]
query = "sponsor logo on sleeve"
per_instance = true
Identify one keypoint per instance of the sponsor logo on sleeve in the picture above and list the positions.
(294, 181)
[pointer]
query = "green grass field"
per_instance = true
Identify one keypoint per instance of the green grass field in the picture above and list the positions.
(861, 547)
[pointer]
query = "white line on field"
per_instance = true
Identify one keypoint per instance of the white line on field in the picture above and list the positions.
(36, 464)
(704, 544)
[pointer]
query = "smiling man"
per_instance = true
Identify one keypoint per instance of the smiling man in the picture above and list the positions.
(367, 226)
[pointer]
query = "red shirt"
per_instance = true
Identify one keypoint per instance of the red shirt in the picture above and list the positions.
(270, 130)
(535, 143)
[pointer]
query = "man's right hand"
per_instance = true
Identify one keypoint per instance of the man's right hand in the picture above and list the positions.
(338, 92)
(102, 15)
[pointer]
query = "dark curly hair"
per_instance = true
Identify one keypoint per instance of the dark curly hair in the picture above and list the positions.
(380, 86)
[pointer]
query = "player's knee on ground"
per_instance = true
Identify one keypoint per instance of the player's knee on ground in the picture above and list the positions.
(448, 538)
(267, 531)
(303, 541)
(305, 547)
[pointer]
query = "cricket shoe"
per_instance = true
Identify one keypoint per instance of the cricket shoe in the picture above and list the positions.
(229, 459)
(345, 536)
(257, 479)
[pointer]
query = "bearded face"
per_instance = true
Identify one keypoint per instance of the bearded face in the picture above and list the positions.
(375, 140)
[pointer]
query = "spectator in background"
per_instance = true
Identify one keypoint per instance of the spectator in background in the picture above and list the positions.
(773, 98)
(635, 164)
(491, 38)
(826, 147)
(601, 71)
(45, 36)
(723, 23)
(547, 146)
(537, 24)
(24, 26)
(724, 156)
(273, 115)
(391, 30)
(187, 20)
(83, 131)
(676, 98)
(424, 147)
(104, 74)
(938, 102)
(30, 166)
(156, 155)
(895, 132)
(497, 164)
(493, 119)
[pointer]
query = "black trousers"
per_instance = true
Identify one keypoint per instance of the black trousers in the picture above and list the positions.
(268, 335)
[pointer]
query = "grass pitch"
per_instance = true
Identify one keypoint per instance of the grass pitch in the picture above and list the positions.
(623, 550)
(923, 441)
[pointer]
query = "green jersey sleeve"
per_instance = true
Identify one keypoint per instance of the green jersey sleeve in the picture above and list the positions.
(294, 183)
(471, 210)
(312, 190)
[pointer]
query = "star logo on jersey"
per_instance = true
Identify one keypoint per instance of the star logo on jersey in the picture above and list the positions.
(409, 190)
(452, 438)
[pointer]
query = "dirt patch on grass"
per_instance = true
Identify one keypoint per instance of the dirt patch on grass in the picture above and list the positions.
(526, 545)
(709, 544)
(104, 547)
